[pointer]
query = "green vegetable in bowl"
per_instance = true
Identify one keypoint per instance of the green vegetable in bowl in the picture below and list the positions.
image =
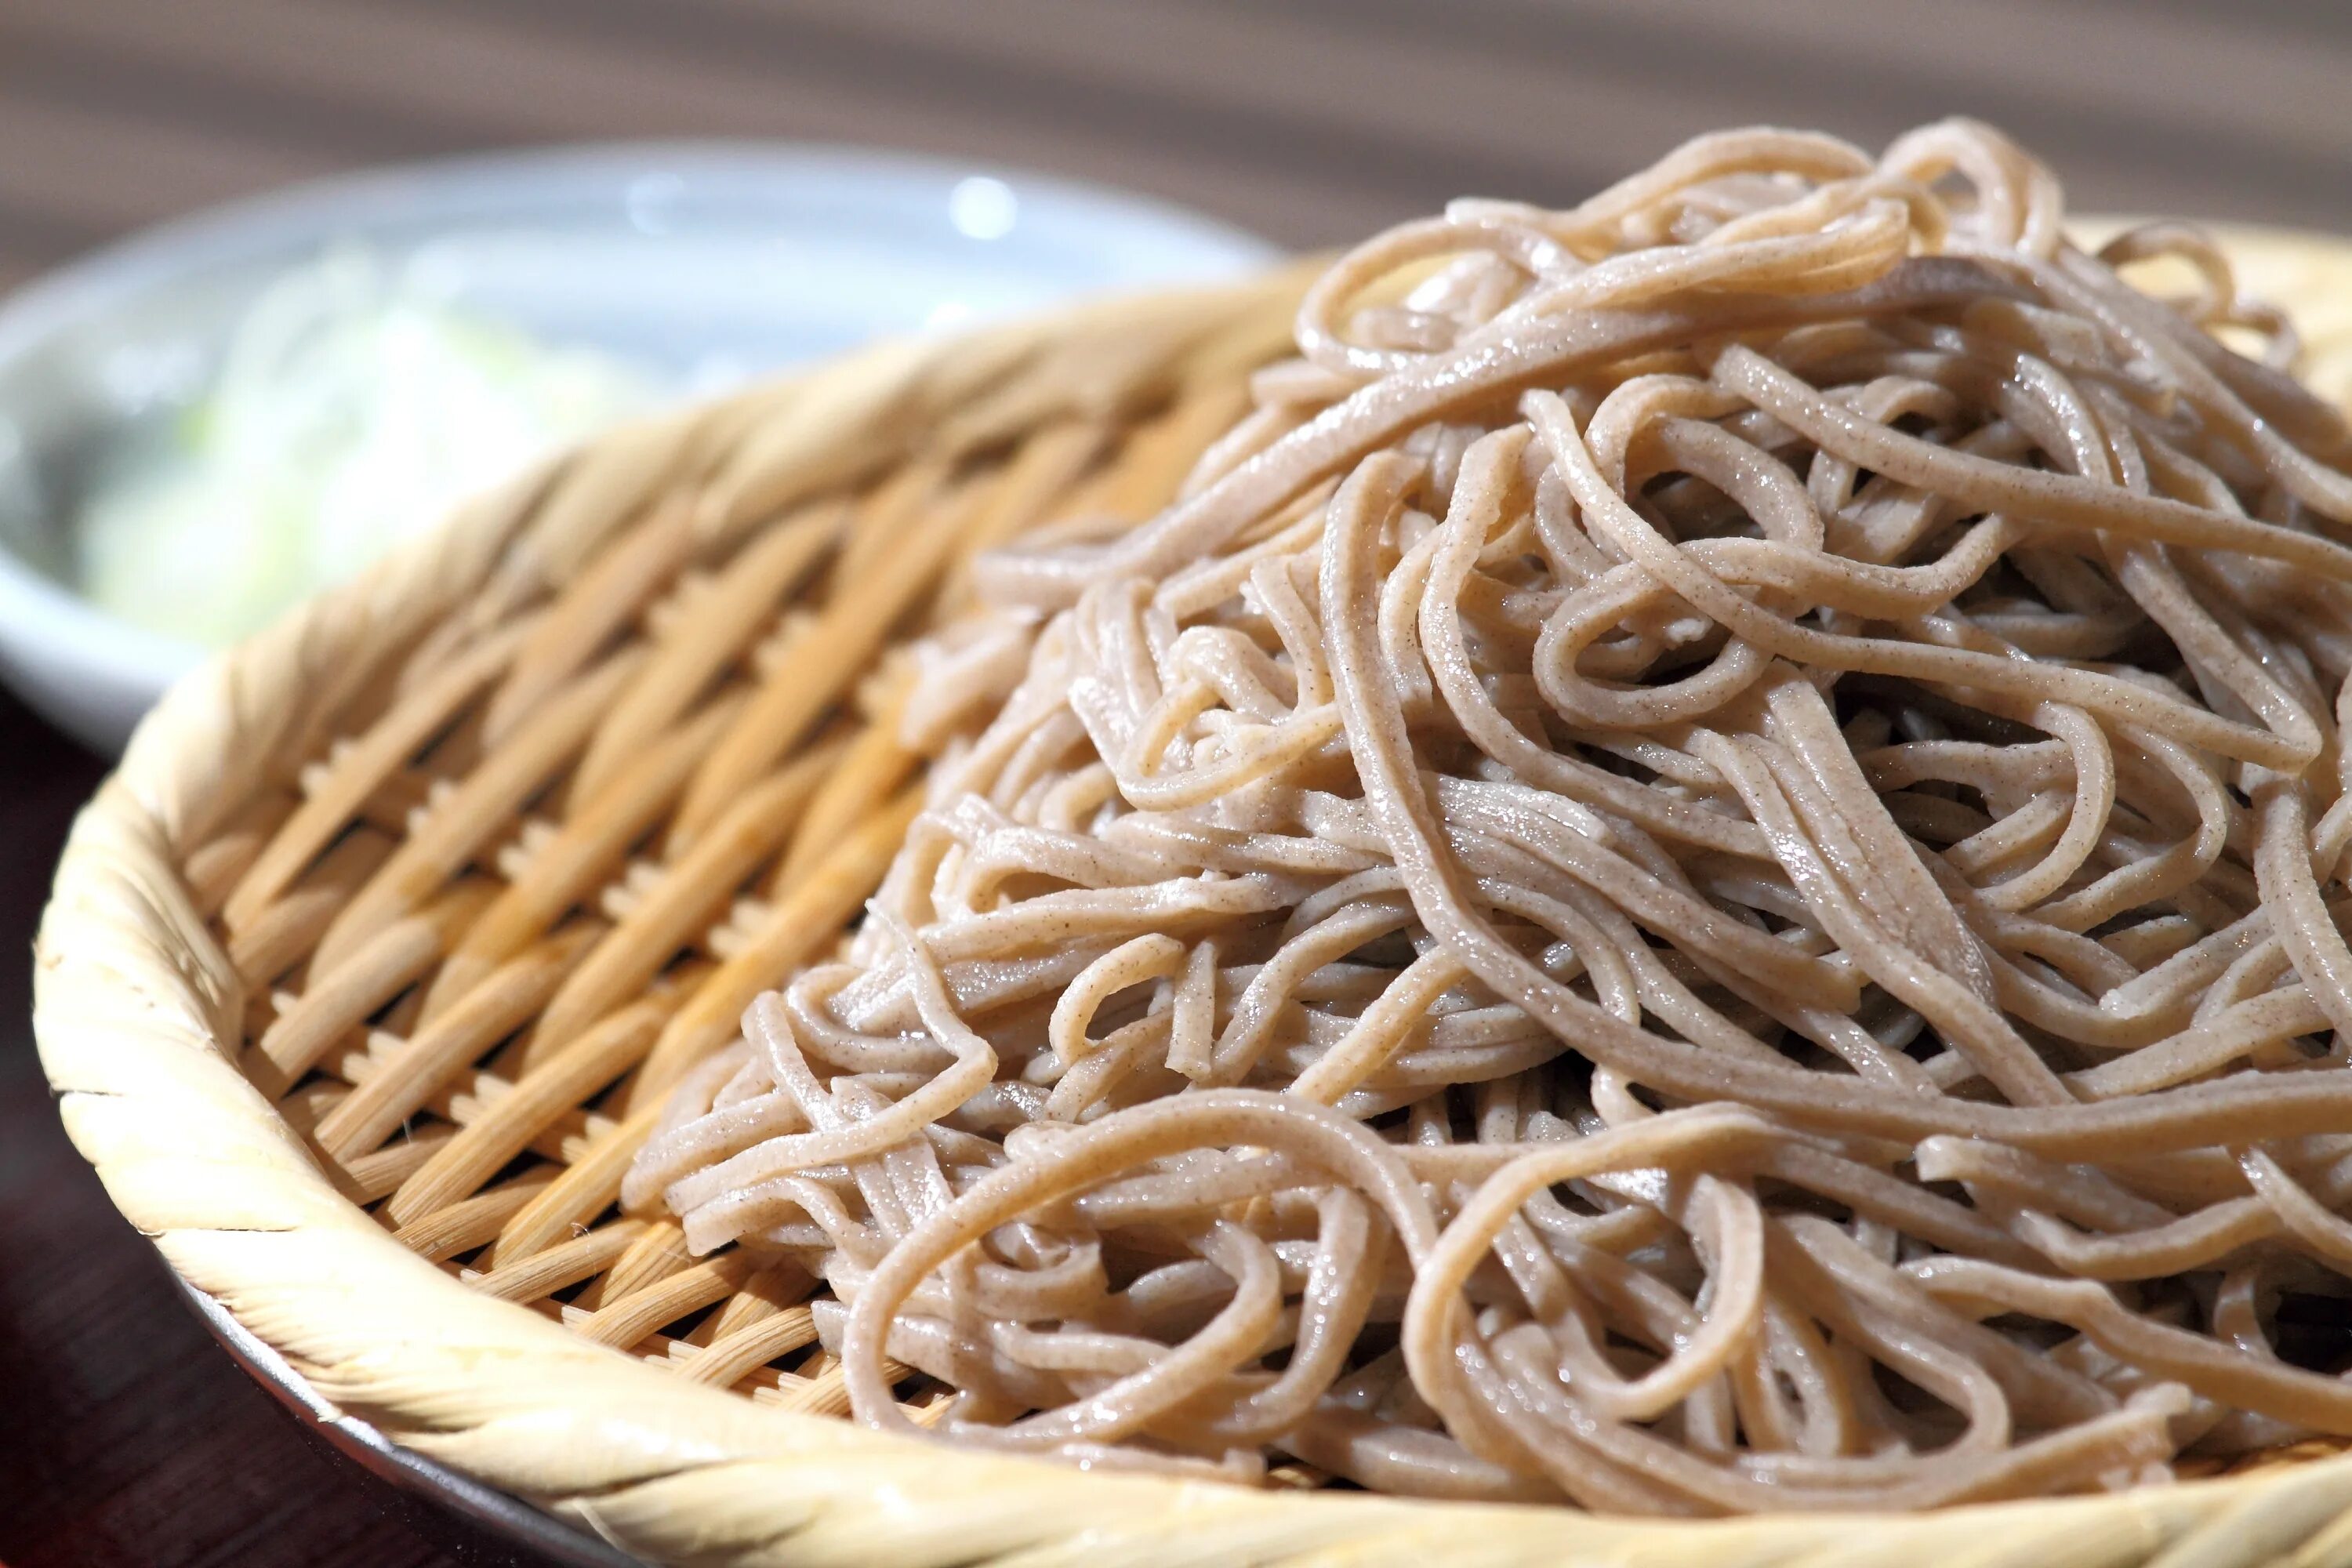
(352, 408)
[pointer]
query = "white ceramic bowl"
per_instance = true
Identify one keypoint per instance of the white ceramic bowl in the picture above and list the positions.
(711, 261)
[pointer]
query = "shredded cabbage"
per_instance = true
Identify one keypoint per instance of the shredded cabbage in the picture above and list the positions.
(351, 409)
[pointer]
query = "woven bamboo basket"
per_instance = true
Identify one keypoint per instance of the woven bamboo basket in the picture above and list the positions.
(365, 975)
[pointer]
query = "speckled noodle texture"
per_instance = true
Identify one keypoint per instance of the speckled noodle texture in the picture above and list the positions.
(288, 984)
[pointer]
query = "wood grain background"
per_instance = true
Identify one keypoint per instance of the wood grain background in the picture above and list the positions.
(1312, 120)
(126, 1437)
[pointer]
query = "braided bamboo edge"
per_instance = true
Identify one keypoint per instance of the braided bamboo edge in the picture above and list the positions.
(137, 1014)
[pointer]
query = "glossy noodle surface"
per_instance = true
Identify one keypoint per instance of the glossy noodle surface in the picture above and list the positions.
(1700, 873)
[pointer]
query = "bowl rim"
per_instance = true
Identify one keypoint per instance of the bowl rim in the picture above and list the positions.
(37, 609)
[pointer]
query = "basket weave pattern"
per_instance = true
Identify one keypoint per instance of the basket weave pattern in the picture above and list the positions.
(367, 973)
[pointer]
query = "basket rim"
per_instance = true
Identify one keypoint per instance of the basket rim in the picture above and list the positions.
(403, 1468)
(137, 1018)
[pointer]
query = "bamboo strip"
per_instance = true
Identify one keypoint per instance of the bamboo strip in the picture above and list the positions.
(587, 1186)
(459, 826)
(388, 746)
(464, 1225)
(803, 923)
(826, 661)
(725, 615)
(688, 895)
(501, 1004)
(634, 1316)
(544, 1273)
(585, 851)
(512, 1120)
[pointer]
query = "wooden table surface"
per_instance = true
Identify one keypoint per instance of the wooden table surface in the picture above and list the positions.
(126, 1437)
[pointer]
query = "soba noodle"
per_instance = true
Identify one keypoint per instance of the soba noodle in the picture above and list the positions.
(1701, 871)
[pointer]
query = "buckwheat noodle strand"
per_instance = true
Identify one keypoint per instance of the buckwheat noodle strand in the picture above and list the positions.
(1700, 872)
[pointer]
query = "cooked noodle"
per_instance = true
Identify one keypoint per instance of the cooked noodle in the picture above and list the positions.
(1700, 872)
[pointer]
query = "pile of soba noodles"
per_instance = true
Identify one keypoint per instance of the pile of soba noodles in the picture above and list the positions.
(1701, 871)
